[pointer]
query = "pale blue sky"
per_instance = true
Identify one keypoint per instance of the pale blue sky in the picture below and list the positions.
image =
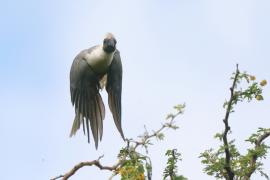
(172, 52)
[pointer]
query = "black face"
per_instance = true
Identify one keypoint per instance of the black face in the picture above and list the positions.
(109, 45)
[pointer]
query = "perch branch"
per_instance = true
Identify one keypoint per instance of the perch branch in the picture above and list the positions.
(88, 163)
(115, 167)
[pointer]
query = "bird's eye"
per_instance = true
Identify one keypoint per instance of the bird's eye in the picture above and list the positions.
(114, 41)
(104, 41)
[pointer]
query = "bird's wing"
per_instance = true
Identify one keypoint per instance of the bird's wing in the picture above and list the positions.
(89, 107)
(114, 89)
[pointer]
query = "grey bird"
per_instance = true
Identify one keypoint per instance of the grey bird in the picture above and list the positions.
(91, 70)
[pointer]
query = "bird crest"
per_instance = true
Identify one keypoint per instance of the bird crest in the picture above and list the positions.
(109, 36)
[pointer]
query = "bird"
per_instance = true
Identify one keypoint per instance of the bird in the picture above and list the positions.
(92, 70)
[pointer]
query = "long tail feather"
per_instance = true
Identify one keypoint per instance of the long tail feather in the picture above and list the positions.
(75, 126)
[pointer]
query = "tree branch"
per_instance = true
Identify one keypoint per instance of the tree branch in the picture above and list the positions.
(254, 158)
(142, 142)
(155, 133)
(88, 163)
(227, 128)
(262, 138)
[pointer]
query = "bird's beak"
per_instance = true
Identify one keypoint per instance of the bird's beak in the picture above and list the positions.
(111, 43)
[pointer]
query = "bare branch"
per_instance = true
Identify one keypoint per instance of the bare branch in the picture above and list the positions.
(88, 163)
(60, 176)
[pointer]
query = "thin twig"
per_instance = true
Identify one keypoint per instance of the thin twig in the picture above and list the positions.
(155, 133)
(60, 176)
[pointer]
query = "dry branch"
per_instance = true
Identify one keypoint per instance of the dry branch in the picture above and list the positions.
(87, 163)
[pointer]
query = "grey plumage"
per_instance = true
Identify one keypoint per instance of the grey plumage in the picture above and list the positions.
(88, 69)
(114, 89)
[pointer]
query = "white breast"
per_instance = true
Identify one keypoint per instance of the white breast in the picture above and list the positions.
(99, 60)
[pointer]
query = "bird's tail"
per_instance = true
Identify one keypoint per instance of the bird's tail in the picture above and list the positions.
(76, 124)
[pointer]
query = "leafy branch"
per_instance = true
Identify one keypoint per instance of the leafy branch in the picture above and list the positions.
(227, 162)
(258, 151)
(131, 164)
(227, 165)
(171, 169)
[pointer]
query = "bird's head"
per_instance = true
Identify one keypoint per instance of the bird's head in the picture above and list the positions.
(109, 43)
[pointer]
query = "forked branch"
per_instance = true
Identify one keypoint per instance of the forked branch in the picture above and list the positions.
(88, 163)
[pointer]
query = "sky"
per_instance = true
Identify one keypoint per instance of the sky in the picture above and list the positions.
(172, 52)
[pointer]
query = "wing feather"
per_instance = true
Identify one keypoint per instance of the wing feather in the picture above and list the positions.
(114, 89)
(89, 107)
